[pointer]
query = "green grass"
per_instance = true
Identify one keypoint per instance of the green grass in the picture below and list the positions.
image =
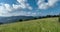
(39, 25)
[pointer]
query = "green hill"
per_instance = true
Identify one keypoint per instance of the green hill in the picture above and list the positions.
(39, 25)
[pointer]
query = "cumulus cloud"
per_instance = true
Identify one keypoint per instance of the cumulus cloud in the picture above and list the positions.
(31, 14)
(16, 9)
(6, 9)
(22, 4)
(44, 5)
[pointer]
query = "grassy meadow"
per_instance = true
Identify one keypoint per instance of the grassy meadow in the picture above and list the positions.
(38, 25)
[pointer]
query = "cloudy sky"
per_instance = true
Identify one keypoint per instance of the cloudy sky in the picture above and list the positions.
(29, 7)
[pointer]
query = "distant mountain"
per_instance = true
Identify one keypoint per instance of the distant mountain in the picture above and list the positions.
(13, 18)
(16, 18)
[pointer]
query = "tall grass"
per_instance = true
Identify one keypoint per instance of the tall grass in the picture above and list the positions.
(40, 25)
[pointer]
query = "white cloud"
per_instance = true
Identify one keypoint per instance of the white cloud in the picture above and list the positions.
(22, 4)
(31, 14)
(43, 5)
(5, 9)
(34, 14)
(29, 7)
(52, 2)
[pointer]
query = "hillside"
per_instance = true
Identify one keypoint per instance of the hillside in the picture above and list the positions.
(39, 25)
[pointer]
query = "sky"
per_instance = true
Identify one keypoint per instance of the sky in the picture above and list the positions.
(10, 8)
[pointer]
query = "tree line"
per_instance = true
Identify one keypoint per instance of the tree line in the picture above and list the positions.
(40, 17)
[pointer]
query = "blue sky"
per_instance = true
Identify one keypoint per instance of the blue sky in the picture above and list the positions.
(29, 7)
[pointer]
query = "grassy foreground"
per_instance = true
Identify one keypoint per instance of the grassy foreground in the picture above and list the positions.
(39, 25)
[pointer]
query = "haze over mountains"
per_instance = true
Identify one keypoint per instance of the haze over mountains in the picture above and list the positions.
(13, 18)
